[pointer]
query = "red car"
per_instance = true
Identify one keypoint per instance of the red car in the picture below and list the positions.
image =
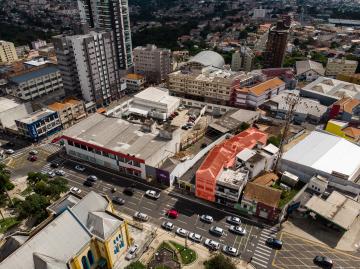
(172, 213)
(32, 158)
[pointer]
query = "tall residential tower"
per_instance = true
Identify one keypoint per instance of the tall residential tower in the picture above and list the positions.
(111, 15)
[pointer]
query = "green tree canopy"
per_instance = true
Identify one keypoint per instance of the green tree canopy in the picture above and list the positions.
(219, 262)
(34, 206)
(35, 177)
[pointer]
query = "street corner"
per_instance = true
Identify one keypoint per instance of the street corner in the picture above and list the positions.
(298, 253)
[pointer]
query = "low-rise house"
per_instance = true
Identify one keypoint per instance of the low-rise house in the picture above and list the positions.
(346, 109)
(309, 70)
(70, 111)
(342, 129)
(134, 82)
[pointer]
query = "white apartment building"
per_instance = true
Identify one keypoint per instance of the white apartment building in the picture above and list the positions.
(88, 63)
(209, 84)
(242, 59)
(7, 52)
(38, 44)
(335, 67)
(152, 62)
(133, 82)
(37, 83)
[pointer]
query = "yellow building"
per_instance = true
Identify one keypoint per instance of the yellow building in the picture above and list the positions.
(340, 66)
(83, 234)
(341, 128)
(70, 111)
(7, 52)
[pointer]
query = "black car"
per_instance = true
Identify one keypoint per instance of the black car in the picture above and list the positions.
(88, 183)
(274, 243)
(118, 200)
(323, 262)
(54, 165)
(129, 191)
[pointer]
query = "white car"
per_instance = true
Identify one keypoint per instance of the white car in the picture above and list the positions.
(75, 190)
(206, 218)
(80, 168)
(195, 237)
(167, 225)
(9, 151)
(132, 252)
(141, 216)
(182, 232)
(51, 174)
(33, 152)
(152, 194)
(216, 230)
(212, 244)
(230, 251)
(237, 230)
(233, 220)
(60, 172)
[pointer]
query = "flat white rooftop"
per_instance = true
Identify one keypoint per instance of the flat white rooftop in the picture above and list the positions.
(6, 104)
(159, 95)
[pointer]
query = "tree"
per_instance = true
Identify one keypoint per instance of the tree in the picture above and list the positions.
(34, 206)
(35, 177)
(334, 45)
(296, 42)
(275, 140)
(219, 262)
(58, 186)
(5, 183)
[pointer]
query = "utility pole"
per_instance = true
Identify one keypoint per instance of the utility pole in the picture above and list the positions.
(291, 100)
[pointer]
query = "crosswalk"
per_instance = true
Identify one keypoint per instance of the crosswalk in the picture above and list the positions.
(262, 254)
(50, 148)
(47, 168)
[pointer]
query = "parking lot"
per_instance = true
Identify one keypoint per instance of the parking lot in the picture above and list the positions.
(298, 253)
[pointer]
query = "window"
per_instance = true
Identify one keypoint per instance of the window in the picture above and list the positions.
(90, 257)
(71, 143)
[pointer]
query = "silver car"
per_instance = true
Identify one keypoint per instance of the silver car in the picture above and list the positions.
(195, 237)
(206, 218)
(230, 251)
(216, 230)
(182, 232)
(237, 230)
(152, 194)
(132, 252)
(141, 216)
(233, 220)
(212, 244)
(167, 225)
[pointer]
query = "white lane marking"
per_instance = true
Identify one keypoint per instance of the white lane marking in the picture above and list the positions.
(265, 248)
(265, 266)
(146, 208)
(152, 203)
(181, 221)
(131, 203)
(261, 259)
(128, 208)
(202, 229)
(262, 255)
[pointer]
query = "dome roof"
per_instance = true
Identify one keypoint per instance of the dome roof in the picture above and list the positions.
(208, 57)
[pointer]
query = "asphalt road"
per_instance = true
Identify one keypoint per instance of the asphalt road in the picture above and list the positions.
(252, 245)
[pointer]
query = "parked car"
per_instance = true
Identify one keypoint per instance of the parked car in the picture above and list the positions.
(51, 174)
(54, 165)
(60, 172)
(182, 232)
(118, 200)
(152, 194)
(195, 237)
(323, 262)
(32, 158)
(88, 183)
(92, 178)
(207, 218)
(129, 191)
(233, 220)
(33, 152)
(9, 151)
(131, 254)
(75, 190)
(274, 243)
(80, 168)
(141, 216)
(230, 251)
(211, 244)
(237, 230)
(167, 225)
(172, 213)
(216, 230)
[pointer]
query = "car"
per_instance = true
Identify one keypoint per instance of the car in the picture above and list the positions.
(80, 168)
(206, 218)
(141, 216)
(323, 262)
(60, 172)
(152, 194)
(211, 244)
(230, 251)
(172, 213)
(195, 237)
(237, 230)
(92, 178)
(10, 144)
(131, 254)
(118, 200)
(88, 183)
(54, 165)
(274, 243)
(182, 232)
(9, 151)
(167, 225)
(51, 174)
(233, 220)
(32, 158)
(129, 191)
(75, 190)
(216, 230)
(33, 152)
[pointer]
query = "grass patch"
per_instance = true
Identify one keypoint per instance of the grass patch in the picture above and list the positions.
(7, 223)
(27, 191)
(286, 196)
(135, 265)
(187, 255)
